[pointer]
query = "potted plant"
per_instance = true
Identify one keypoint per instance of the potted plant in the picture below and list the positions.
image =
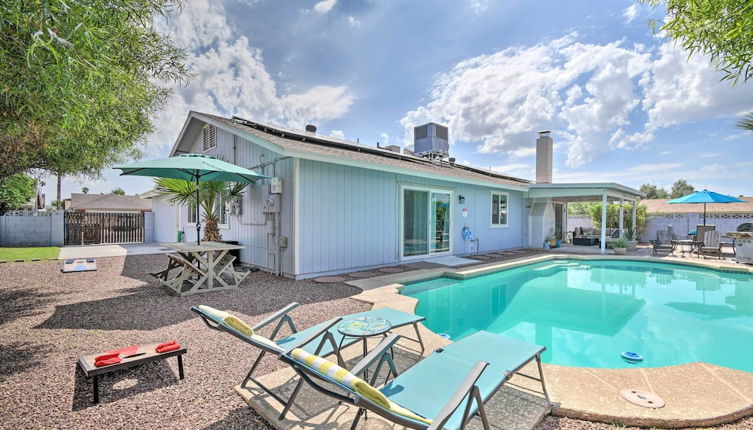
(620, 246)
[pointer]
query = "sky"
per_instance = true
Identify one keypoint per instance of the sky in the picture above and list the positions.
(623, 104)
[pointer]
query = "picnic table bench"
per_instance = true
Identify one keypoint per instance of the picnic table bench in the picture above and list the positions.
(200, 268)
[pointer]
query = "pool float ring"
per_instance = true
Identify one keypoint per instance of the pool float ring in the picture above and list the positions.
(631, 357)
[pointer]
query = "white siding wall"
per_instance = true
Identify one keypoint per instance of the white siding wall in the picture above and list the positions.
(251, 227)
(349, 217)
(165, 220)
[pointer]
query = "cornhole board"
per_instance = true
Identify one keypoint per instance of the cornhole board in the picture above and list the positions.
(79, 265)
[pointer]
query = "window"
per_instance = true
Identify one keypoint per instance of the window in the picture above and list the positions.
(191, 213)
(209, 137)
(222, 216)
(499, 209)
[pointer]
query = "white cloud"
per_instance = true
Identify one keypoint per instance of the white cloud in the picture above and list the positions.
(630, 12)
(324, 6)
(595, 97)
(680, 90)
(384, 139)
(337, 133)
(231, 78)
(353, 22)
(478, 6)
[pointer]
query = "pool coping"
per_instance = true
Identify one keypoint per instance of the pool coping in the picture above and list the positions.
(696, 394)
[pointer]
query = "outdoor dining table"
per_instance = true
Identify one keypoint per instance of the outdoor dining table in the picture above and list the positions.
(200, 268)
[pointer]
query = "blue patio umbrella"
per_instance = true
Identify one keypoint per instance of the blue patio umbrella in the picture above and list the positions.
(704, 197)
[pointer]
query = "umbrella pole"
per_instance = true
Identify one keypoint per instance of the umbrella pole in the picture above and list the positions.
(704, 214)
(198, 221)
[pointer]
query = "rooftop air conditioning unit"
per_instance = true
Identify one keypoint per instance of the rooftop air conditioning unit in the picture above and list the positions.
(431, 141)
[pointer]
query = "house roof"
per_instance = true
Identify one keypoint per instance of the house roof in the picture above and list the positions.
(314, 146)
(661, 206)
(109, 202)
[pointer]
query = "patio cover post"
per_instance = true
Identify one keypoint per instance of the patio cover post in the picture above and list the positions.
(622, 216)
(635, 234)
(603, 241)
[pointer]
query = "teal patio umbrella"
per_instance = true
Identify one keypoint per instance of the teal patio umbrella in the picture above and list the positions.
(704, 197)
(192, 167)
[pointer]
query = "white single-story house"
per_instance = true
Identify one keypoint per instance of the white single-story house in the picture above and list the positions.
(335, 206)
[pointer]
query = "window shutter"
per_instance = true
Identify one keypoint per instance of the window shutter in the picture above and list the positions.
(209, 137)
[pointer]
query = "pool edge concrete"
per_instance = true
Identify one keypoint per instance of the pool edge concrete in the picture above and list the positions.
(596, 398)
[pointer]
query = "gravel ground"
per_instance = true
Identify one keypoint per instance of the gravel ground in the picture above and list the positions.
(48, 318)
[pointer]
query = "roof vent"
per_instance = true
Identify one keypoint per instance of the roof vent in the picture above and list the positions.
(311, 128)
(393, 148)
(431, 141)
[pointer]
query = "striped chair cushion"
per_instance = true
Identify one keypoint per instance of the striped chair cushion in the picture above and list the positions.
(342, 376)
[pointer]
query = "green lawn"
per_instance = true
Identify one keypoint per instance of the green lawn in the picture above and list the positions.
(12, 254)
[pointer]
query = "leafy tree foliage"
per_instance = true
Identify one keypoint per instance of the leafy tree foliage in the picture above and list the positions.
(15, 191)
(721, 29)
(80, 82)
(85, 190)
(613, 215)
(681, 188)
(119, 191)
(211, 194)
(654, 192)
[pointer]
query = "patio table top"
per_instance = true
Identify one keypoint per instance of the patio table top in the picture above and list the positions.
(204, 247)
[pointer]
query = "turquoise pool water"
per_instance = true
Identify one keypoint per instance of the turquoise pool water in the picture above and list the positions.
(588, 312)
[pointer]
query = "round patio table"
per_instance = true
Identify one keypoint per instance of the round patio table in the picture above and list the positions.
(363, 328)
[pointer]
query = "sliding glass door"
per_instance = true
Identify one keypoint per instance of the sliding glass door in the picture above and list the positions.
(426, 222)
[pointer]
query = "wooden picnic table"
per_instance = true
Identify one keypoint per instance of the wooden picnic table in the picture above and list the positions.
(200, 268)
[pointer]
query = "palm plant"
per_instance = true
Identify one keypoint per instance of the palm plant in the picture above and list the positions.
(212, 194)
(746, 123)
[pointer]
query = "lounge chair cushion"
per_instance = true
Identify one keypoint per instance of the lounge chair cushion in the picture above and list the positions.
(342, 376)
(228, 319)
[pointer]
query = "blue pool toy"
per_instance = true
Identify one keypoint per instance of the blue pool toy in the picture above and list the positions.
(631, 357)
(444, 335)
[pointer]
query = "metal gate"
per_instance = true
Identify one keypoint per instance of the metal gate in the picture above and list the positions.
(87, 228)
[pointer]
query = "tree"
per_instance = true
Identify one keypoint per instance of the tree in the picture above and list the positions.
(681, 188)
(654, 192)
(81, 82)
(85, 190)
(16, 191)
(720, 29)
(119, 191)
(613, 216)
(212, 194)
(580, 208)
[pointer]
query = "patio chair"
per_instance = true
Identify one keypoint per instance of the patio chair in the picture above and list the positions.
(711, 244)
(700, 231)
(321, 339)
(430, 394)
(663, 242)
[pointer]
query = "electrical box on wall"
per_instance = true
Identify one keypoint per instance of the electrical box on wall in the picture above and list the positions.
(275, 186)
(272, 205)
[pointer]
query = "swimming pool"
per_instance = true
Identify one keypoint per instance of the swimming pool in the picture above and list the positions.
(588, 312)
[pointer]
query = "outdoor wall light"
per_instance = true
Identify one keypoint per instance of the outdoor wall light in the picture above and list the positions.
(461, 199)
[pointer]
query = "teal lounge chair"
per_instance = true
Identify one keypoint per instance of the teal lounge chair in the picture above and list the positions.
(466, 373)
(322, 339)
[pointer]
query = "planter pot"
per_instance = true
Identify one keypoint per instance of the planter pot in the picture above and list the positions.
(620, 251)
